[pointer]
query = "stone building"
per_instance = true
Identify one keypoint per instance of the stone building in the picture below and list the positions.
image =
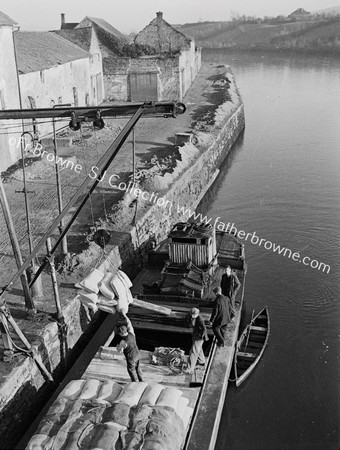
(166, 73)
(86, 38)
(165, 39)
(111, 41)
(9, 93)
(52, 71)
(105, 40)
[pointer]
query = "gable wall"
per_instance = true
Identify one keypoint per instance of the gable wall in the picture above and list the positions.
(9, 99)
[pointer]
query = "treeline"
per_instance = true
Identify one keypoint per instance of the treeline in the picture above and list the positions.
(272, 34)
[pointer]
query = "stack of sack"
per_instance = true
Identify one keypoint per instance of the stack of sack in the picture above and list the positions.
(106, 291)
(103, 415)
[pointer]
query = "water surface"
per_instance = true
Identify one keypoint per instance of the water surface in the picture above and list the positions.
(282, 181)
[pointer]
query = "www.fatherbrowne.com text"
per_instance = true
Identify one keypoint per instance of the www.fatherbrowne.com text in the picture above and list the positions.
(167, 206)
(254, 239)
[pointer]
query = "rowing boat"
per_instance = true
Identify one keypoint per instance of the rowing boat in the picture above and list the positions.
(251, 345)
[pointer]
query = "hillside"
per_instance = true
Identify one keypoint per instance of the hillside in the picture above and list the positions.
(309, 35)
(332, 11)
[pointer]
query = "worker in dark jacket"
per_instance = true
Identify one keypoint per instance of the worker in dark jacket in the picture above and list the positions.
(199, 335)
(230, 285)
(128, 346)
(220, 316)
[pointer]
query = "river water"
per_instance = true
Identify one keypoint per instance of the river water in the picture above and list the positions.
(282, 182)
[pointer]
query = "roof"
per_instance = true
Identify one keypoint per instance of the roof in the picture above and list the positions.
(159, 26)
(101, 23)
(68, 25)
(40, 50)
(6, 20)
(79, 36)
(299, 11)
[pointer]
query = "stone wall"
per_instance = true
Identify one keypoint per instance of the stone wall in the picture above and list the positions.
(115, 78)
(66, 83)
(26, 390)
(187, 191)
(118, 70)
(162, 36)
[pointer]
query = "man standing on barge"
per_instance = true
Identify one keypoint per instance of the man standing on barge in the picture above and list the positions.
(199, 335)
(128, 346)
(220, 316)
(230, 285)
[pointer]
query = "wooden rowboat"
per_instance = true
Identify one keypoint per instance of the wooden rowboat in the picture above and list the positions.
(251, 345)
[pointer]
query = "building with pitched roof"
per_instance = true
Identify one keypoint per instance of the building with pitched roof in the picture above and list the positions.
(52, 70)
(86, 38)
(162, 36)
(166, 75)
(9, 92)
(111, 41)
(104, 42)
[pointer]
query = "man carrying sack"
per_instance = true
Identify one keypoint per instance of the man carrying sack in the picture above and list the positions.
(128, 346)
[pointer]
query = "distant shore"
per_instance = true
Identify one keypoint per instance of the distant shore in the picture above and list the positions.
(276, 51)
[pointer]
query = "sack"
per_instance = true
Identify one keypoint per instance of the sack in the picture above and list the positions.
(105, 301)
(169, 397)
(151, 394)
(117, 413)
(105, 287)
(109, 391)
(131, 393)
(72, 390)
(91, 282)
(90, 297)
(125, 278)
(120, 290)
(90, 389)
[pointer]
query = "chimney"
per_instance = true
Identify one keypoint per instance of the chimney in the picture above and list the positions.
(159, 16)
(62, 19)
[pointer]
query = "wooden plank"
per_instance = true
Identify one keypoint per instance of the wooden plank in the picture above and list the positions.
(163, 327)
(246, 355)
(255, 328)
(255, 344)
(151, 306)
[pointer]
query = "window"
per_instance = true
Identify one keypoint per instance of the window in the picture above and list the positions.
(31, 102)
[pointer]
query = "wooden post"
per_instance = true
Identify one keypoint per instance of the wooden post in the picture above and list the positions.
(36, 289)
(8, 346)
(15, 246)
(64, 248)
(133, 157)
(60, 317)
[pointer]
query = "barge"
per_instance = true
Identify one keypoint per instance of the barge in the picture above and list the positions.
(100, 408)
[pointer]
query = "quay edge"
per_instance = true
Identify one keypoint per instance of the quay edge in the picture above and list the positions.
(207, 420)
(129, 248)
